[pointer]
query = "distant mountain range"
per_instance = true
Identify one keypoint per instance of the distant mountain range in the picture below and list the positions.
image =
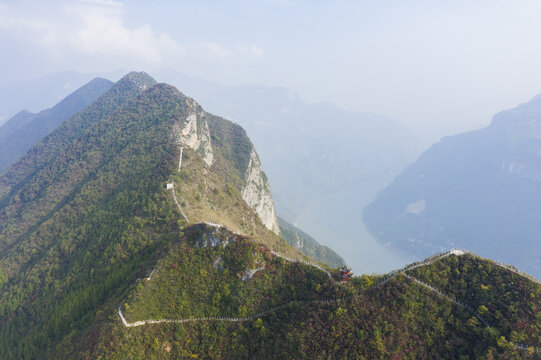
(23, 130)
(41, 93)
(479, 190)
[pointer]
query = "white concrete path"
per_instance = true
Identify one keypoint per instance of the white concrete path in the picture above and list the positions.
(180, 158)
(178, 205)
(302, 262)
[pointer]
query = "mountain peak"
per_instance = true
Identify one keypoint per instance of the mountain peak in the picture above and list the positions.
(534, 102)
(140, 79)
(529, 112)
(166, 88)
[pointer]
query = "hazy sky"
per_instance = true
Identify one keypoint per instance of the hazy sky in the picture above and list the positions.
(436, 66)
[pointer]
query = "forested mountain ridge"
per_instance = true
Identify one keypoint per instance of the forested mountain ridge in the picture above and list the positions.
(23, 130)
(198, 302)
(12, 124)
(55, 143)
(87, 207)
(479, 190)
(143, 207)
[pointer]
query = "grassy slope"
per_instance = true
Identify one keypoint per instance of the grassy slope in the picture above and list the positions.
(212, 195)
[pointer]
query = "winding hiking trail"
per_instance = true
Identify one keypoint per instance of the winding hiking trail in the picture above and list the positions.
(456, 302)
(149, 277)
(391, 275)
(252, 317)
(394, 273)
(516, 271)
(332, 300)
(178, 205)
(180, 321)
(303, 262)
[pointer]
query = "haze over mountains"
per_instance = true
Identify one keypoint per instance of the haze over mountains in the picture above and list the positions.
(308, 245)
(25, 129)
(144, 227)
(325, 163)
(270, 179)
(317, 179)
(34, 95)
(18, 134)
(479, 190)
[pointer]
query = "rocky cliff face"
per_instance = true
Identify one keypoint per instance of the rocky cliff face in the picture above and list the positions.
(257, 194)
(194, 133)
